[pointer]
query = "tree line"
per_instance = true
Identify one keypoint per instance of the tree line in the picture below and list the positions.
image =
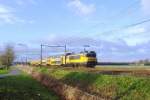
(143, 62)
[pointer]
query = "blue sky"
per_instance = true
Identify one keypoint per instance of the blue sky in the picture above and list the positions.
(76, 23)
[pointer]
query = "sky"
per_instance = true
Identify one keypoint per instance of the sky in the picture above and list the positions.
(101, 24)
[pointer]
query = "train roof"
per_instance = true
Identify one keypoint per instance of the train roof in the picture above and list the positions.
(72, 53)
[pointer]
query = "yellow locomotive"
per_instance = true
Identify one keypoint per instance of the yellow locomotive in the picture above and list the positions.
(87, 59)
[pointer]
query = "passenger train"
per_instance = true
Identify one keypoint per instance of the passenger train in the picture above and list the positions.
(86, 59)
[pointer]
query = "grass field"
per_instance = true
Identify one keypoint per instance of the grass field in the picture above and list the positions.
(23, 87)
(3, 71)
(107, 86)
(138, 67)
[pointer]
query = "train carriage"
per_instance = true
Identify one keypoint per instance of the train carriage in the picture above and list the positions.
(54, 61)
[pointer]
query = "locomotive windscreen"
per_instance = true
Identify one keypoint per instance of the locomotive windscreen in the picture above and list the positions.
(91, 54)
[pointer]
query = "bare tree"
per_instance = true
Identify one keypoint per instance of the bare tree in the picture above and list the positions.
(8, 56)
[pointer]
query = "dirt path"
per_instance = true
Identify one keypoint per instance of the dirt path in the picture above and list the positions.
(13, 71)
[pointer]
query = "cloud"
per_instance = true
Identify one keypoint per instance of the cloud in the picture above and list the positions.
(8, 15)
(81, 8)
(106, 50)
(132, 36)
(135, 30)
(146, 6)
(135, 35)
(55, 39)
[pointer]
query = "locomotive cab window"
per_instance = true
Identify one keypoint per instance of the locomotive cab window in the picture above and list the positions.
(91, 54)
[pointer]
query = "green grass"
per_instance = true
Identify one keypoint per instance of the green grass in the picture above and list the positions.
(108, 86)
(23, 87)
(3, 71)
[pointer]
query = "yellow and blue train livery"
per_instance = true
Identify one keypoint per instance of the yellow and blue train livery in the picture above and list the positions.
(87, 59)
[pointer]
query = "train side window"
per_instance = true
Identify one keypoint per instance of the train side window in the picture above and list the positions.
(70, 57)
(77, 57)
(74, 57)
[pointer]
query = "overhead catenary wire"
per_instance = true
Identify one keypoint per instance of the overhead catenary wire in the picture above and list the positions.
(138, 23)
(117, 15)
(127, 26)
(121, 13)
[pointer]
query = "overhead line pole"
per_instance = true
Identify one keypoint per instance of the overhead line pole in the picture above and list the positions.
(65, 47)
(41, 53)
(65, 53)
(85, 47)
(26, 57)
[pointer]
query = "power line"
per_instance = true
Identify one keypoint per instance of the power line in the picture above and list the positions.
(128, 26)
(131, 5)
(138, 23)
